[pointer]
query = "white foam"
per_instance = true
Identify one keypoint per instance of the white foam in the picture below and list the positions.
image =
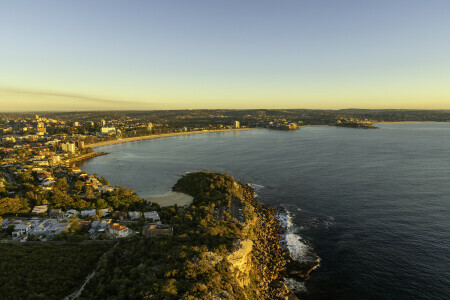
(298, 250)
(256, 188)
(293, 242)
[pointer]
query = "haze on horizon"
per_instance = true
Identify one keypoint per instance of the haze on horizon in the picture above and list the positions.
(324, 54)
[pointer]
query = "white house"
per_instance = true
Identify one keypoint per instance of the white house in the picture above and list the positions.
(152, 215)
(88, 213)
(21, 229)
(134, 214)
(71, 213)
(118, 230)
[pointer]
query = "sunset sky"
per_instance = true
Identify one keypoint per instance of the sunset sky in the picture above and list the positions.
(85, 55)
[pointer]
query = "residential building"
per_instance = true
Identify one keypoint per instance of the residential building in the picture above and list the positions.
(152, 215)
(134, 214)
(88, 213)
(21, 229)
(157, 229)
(56, 213)
(108, 130)
(118, 230)
(40, 209)
(68, 147)
(237, 124)
(72, 213)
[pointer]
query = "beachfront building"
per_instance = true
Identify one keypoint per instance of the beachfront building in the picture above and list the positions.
(237, 124)
(68, 147)
(108, 130)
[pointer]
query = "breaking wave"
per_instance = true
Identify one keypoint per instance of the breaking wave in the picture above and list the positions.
(256, 188)
(299, 250)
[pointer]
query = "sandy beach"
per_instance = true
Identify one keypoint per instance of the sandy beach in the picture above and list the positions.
(170, 199)
(156, 136)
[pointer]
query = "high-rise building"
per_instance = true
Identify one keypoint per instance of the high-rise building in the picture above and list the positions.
(103, 122)
(237, 124)
(68, 147)
(149, 126)
(80, 144)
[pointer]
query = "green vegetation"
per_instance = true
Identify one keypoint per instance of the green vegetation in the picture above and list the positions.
(46, 271)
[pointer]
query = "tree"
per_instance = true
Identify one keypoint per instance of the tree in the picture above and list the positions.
(74, 224)
(104, 181)
(61, 183)
(79, 185)
(90, 192)
(13, 206)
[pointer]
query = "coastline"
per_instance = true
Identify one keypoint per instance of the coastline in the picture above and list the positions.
(393, 122)
(155, 136)
(85, 157)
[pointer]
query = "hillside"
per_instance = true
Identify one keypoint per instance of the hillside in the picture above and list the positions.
(224, 246)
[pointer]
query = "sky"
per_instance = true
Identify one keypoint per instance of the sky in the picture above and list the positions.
(188, 54)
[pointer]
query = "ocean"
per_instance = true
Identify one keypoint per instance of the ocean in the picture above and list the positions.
(372, 206)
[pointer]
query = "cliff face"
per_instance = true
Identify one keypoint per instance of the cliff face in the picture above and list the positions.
(241, 262)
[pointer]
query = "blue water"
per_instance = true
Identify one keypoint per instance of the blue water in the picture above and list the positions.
(372, 204)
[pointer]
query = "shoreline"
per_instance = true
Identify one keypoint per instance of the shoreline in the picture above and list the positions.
(155, 136)
(393, 122)
(84, 157)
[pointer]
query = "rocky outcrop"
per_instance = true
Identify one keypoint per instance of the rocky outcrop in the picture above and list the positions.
(241, 261)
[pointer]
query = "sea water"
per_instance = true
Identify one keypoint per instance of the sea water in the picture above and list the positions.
(371, 206)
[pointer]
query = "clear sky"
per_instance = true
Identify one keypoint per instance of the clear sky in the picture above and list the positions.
(169, 54)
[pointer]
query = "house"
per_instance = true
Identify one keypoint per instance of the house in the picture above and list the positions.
(119, 215)
(105, 224)
(85, 224)
(40, 209)
(152, 215)
(105, 212)
(59, 228)
(88, 213)
(118, 230)
(134, 214)
(157, 229)
(72, 213)
(43, 228)
(56, 213)
(21, 229)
